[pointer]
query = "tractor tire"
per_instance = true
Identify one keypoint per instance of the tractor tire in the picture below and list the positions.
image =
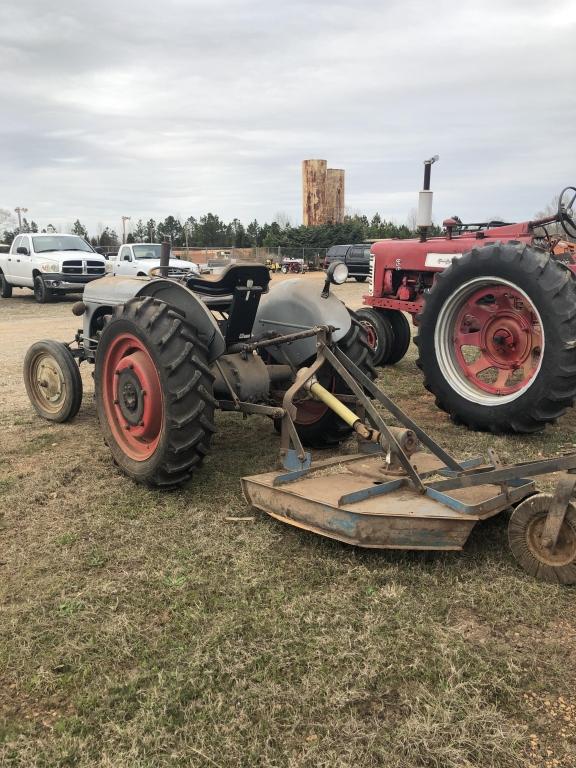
(379, 333)
(153, 391)
(496, 339)
(53, 381)
(401, 336)
(5, 287)
(42, 293)
(316, 424)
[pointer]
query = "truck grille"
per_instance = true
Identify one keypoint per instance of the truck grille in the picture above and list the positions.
(82, 267)
(371, 277)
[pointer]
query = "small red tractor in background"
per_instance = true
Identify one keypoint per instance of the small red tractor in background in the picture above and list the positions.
(495, 307)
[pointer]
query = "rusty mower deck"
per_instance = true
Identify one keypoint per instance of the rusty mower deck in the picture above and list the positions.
(395, 495)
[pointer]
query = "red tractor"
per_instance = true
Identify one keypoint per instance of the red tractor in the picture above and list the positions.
(495, 307)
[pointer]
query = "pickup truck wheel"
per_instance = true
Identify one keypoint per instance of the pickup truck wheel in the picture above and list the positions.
(361, 278)
(154, 393)
(42, 293)
(53, 381)
(5, 287)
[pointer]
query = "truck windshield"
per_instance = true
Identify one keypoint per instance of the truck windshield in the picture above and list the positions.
(147, 251)
(44, 243)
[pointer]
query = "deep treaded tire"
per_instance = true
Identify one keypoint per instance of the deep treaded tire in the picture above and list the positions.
(166, 398)
(379, 333)
(401, 336)
(516, 293)
(328, 428)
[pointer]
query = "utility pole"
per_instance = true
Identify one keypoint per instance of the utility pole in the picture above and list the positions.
(124, 220)
(19, 210)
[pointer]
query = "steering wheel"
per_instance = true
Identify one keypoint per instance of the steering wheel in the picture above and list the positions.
(565, 213)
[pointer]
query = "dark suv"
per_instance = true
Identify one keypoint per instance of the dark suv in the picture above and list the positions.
(356, 257)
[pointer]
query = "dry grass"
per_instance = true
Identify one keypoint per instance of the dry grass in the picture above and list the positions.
(141, 629)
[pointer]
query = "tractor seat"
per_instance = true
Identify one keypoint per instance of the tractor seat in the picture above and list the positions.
(234, 276)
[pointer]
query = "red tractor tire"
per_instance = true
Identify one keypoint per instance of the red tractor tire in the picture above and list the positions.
(496, 339)
(153, 392)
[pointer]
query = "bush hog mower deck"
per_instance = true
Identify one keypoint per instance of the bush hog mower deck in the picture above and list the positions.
(164, 363)
(495, 306)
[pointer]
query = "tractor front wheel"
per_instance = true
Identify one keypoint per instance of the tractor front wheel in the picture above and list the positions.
(53, 381)
(379, 333)
(154, 393)
(496, 339)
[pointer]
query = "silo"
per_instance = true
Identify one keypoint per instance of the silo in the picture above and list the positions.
(335, 195)
(314, 192)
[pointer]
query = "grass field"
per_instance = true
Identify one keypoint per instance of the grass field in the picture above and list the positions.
(141, 629)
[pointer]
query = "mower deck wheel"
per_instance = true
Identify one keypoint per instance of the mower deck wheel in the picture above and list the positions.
(525, 531)
(53, 381)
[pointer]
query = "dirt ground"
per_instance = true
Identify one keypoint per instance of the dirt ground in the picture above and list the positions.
(141, 629)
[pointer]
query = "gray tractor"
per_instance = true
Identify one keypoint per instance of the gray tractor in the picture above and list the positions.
(167, 353)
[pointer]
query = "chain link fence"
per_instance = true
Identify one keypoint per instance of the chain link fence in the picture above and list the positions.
(312, 257)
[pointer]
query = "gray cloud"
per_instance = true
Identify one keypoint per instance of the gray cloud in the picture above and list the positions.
(182, 107)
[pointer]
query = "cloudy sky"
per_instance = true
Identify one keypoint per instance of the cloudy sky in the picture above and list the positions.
(187, 106)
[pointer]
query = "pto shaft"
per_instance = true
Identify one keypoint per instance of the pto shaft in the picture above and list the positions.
(405, 438)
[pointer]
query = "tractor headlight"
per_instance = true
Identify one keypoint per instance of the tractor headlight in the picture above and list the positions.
(337, 272)
(49, 266)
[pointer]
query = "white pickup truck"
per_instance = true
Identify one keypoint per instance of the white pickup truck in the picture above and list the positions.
(50, 265)
(140, 258)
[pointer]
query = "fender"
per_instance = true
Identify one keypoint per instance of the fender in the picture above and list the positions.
(102, 296)
(295, 305)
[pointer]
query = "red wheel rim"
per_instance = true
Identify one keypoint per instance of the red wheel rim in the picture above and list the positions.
(310, 411)
(132, 397)
(489, 340)
(371, 337)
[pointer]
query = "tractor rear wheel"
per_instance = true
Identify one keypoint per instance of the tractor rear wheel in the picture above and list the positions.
(154, 393)
(316, 424)
(496, 339)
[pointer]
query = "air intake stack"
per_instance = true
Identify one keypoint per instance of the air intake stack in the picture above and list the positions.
(424, 218)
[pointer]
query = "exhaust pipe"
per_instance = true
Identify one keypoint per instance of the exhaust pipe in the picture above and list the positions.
(424, 217)
(164, 258)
